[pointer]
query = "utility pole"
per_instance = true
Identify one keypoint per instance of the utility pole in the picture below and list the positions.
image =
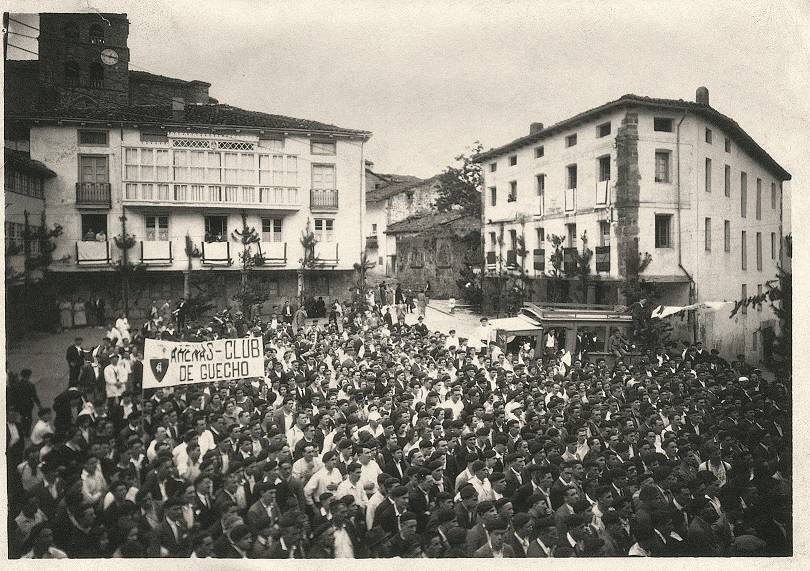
(124, 265)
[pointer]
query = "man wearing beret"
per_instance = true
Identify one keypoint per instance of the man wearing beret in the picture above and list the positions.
(495, 547)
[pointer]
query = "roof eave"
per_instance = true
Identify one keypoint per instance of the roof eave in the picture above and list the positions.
(170, 124)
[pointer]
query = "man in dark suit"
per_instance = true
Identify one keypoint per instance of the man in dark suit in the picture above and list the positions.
(495, 547)
(520, 539)
(236, 544)
(75, 358)
(173, 532)
(466, 516)
(265, 507)
(160, 482)
(389, 512)
(419, 501)
(303, 395)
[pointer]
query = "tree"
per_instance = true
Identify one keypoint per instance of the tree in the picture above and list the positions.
(460, 185)
(38, 295)
(360, 284)
(250, 295)
(583, 264)
(557, 291)
(309, 260)
(779, 293)
(648, 333)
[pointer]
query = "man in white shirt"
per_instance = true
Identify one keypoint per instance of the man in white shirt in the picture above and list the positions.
(483, 335)
(351, 485)
(326, 479)
(114, 380)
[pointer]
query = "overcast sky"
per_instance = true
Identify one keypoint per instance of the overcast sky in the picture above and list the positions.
(431, 78)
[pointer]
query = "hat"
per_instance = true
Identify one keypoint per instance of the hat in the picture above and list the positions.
(498, 525)
(520, 520)
(399, 491)
(374, 416)
(240, 532)
(456, 536)
(468, 492)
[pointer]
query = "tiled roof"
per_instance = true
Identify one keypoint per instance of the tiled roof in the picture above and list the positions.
(429, 220)
(742, 138)
(20, 161)
(146, 76)
(379, 194)
(194, 115)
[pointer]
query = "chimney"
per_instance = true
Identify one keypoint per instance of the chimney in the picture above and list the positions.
(178, 109)
(702, 96)
(535, 128)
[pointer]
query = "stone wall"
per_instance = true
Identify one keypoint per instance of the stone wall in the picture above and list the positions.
(435, 258)
(627, 192)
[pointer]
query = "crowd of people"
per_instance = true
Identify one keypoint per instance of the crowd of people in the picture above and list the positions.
(371, 438)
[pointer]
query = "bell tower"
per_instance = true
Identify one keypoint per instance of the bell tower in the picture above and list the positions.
(84, 59)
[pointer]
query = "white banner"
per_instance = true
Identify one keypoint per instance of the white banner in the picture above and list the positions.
(168, 363)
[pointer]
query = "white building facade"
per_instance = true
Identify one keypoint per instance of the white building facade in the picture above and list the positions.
(172, 181)
(674, 179)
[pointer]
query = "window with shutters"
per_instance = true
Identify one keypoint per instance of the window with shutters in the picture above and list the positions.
(572, 235)
(726, 236)
(662, 165)
(541, 193)
(773, 196)
(707, 234)
(727, 180)
(539, 152)
(271, 230)
(604, 168)
(604, 233)
(323, 177)
(708, 175)
(743, 194)
(157, 228)
(325, 229)
(759, 251)
(512, 192)
(773, 245)
(93, 169)
(709, 136)
(744, 295)
(216, 228)
(744, 250)
(493, 196)
(663, 230)
(759, 199)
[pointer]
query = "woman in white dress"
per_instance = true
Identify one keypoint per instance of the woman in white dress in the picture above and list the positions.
(79, 314)
(66, 314)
